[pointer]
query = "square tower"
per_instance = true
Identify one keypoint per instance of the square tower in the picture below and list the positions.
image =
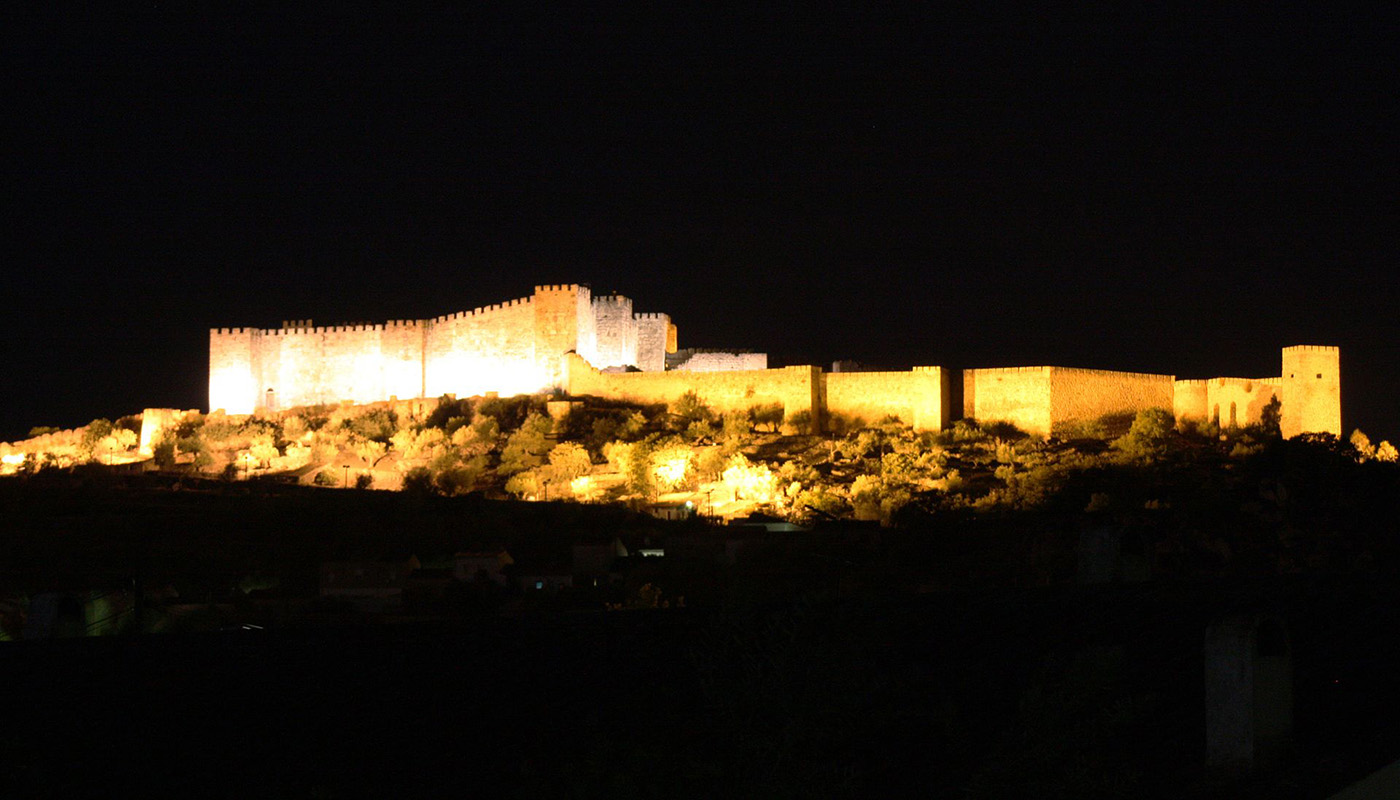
(563, 322)
(1311, 390)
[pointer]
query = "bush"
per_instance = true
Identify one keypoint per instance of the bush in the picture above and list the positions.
(325, 477)
(364, 481)
(1148, 435)
(450, 414)
(510, 412)
(416, 481)
(163, 452)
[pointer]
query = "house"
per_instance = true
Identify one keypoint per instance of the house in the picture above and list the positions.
(594, 560)
(369, 585)
(486, 564)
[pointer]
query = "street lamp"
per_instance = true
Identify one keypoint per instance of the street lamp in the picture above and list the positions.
(346, 482)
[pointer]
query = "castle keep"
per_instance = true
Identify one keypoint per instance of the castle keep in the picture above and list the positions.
(563, 338)
(510, 348)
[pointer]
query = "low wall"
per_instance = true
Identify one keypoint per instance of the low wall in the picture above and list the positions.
(918, 397)
(796, 389)
(720, 362)
(1189, 400)
(1236, 402)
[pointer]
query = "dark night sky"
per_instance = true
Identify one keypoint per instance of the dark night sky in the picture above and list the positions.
(1156, 190)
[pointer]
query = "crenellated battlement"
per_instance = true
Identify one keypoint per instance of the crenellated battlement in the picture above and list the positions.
(233, 331)
(1011, 370)
(612, 300)
(1312, 348)
(651, 315)
(557, 287)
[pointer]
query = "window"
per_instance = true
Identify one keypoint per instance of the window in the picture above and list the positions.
(539, 584)
(1319, 376)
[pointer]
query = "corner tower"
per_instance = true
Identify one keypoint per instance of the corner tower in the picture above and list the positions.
(1311, 390)
(563, 321)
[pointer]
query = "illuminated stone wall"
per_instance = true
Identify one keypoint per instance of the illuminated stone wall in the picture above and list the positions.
(918, 397)
(1019, 395)
(1235, 402)
(1311, 391)
(718, 361)
(232, 380)
(655, 338)
(796, 389)
(1190, 400)
(155, 422)
(1039, 400)
(1083, 395)
(511, 348)
(616, 332)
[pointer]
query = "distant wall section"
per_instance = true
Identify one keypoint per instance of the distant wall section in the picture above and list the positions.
(1084, 395)
(918, 397)
(1019, 395)
(796, 389)
(716, 361)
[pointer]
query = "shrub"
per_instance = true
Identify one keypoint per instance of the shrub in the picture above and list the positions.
(450, 414)
(163, 452)
(326, 477)
(689, 408)
(1148, 435)
(416, 481)
(769, 416)
(510, 412)
(364, 481)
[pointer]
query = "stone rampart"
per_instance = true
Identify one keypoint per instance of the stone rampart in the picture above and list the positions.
(1019, 395)
(486, 349)
(918, 398)
(718, 361)
(616, 332)
(1236, 402)
(1190, 400)
(655, 338)
(1084, 395)
(796, 389)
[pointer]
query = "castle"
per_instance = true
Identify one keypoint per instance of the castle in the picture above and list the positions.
(562, 338)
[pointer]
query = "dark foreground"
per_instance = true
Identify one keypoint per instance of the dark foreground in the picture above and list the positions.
(1045, 693)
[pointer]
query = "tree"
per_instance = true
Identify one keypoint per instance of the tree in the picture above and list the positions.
(94, 433)
(689, 408)
(526, 447)
(1271, 417)
(569, 460)
(163, 452)
(1147, 436)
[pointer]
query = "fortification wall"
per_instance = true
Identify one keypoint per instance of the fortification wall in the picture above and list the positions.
(721, 362)
(232, 384)
(1019, 395)
(1190, 400)
(655, 338)
(561, 313)
(401, 344)
(797, 389)
(1236, 402)
(918, 397)
(1084, 395)
(616, 332)
(156, 421)
(486, 349)
(305, 366)
(1310, 390)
